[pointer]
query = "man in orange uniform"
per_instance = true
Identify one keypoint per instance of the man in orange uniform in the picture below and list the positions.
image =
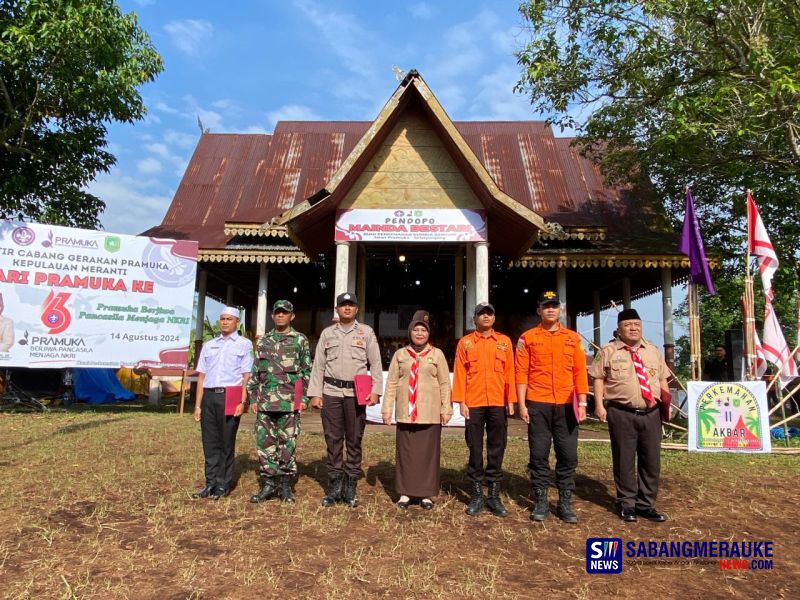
(483, 382)
(550, 364)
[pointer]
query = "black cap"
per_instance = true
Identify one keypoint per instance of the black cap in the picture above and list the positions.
(549, 297)
(346, 298)
(483, 307)
(627, 315)
(421, 317)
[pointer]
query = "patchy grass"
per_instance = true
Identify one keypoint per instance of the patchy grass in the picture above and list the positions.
(97, 505)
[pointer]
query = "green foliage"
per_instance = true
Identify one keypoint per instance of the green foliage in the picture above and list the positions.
(684, 92)
(67, 68)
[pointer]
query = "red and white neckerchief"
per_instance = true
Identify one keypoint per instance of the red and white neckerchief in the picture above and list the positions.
(412, 382)
(641, 374)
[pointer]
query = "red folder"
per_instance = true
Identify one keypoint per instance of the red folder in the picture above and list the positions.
(233, 398)
(363, 385)
(298, 394)
(666, 406)
(575, 406)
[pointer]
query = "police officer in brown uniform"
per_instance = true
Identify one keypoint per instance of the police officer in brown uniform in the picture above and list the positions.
(345, 349)
(629, 373)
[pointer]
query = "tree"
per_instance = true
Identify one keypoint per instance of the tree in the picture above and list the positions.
(67, 69)
(680, 92)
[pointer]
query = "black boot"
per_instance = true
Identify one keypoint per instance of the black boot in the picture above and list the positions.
(493, 502)
(268, 490)
(286, 489)
(334, 493)
(205, 492)
(541, 508)
(349, 495)
(476, 500)
(564, 507)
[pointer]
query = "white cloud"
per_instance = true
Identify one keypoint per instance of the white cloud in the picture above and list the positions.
(494, 99)
(166, 108)
(149, 166)
(129, 208)
(190, 36)
(421, 10)
(345, 36)
(160, 149)
(291, 112)
(180, 139)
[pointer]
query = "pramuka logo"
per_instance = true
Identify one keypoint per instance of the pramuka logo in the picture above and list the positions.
(55, 314)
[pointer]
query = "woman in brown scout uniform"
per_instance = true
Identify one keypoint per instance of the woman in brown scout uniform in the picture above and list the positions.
(418, 391)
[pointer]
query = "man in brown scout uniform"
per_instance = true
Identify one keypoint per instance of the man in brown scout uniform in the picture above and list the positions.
(630, 373)
(345, 349)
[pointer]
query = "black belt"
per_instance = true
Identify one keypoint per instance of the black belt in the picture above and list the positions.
(216, 390)
(635, 411)
(340, 383)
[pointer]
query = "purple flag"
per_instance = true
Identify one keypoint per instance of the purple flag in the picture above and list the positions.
(692, 246)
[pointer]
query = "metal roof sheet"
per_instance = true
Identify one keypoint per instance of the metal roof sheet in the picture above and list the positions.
(255, 177)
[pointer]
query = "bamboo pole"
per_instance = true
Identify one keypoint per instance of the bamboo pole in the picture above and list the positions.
(695, 358)
(780, 368)
(785, 399)
(749, 311)
(786, 420)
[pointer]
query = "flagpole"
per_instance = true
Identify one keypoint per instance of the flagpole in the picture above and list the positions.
(749, 310)
(694, 333)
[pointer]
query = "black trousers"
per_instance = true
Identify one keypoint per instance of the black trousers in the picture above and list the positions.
(554, 422)
(635, 439)
(494, 421)
(343, 421)
(219, 439)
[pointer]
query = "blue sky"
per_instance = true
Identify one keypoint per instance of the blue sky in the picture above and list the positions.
(243, 65)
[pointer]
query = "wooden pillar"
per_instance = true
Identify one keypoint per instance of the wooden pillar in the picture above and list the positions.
(261, 307)
(352, 263)
(229, 295)
(342, 266)
(202, 285)
(626, 292)
(598, 338)
(666, 306)
(481, 272)
(361, 281)
(469, 305)
(458, 296)
(561, 286)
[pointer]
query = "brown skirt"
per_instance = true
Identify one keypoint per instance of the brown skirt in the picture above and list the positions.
(417, 460)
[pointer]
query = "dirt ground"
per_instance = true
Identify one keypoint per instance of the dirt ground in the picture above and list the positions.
(97, 505)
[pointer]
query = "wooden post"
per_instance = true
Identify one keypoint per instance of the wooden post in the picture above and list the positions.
(694, 334)
(183, 392)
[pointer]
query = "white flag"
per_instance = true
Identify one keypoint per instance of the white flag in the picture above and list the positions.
(761, 360)
(775, 348)
(758, 245)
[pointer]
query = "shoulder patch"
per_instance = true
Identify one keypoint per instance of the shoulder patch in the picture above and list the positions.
(521, 344)
(467, 344)
(502, 346)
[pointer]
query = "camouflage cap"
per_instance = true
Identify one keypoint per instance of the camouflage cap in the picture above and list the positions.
(284, 305)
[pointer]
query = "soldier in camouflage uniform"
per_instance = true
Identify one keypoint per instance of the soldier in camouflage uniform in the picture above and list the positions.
(277, 391)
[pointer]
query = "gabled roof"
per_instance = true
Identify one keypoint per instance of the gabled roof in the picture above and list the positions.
(254, 178)
(512, 226)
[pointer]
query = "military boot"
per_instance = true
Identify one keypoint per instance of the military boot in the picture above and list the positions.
(334, 493)
(564, 507)
(286, 489)
(541, 508)
(349, 496)
(493, 502)
(268, 490)
(476, 500)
